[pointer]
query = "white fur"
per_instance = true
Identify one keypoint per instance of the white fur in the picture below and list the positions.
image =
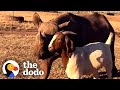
(53, 39)
(89, 59)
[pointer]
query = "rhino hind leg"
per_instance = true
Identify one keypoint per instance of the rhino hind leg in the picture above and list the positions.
(114, 69)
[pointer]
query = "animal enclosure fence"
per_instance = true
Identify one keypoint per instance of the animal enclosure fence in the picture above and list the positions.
(12, 21)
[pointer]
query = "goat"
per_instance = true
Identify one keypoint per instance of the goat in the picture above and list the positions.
(84, 60)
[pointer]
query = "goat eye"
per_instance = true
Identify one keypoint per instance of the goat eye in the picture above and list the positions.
(59, 39)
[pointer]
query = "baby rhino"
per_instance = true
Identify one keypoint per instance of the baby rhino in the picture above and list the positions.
(84, 60)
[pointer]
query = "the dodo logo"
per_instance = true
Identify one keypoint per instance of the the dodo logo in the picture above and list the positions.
(10, 68)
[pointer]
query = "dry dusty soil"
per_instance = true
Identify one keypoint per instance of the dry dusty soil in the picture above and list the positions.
(17, 41)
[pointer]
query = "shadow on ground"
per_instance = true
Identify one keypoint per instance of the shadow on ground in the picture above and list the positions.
(103, 75)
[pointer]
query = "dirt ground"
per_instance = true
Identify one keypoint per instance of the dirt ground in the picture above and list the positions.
(18, 44)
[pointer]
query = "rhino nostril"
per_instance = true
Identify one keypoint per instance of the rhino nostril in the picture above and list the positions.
(41, 54)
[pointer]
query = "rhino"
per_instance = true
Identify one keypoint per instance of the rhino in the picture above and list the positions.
(89, 28)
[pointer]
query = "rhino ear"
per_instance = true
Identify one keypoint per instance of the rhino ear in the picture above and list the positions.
(61, 26)
(36, 19)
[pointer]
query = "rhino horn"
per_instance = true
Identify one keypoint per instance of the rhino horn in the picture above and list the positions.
(41, 35)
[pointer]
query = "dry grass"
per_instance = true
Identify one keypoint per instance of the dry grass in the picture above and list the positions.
(19, 46)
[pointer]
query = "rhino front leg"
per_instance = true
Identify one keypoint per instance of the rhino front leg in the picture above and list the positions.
(45, 65)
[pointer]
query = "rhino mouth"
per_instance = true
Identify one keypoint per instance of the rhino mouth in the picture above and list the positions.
(46, 55)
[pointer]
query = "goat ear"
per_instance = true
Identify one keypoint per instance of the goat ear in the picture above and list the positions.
(36, 20)
(69, 46)
(68, 32)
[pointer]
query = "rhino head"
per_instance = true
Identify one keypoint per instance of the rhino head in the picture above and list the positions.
(45, 32)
